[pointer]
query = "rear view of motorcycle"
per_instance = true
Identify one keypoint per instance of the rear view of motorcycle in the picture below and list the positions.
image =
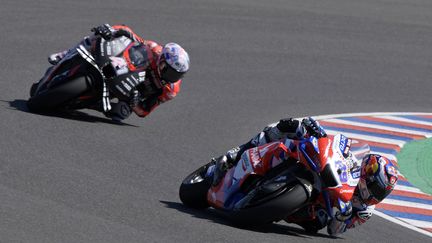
(281, 180)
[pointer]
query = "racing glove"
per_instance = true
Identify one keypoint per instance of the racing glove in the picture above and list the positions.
(360, 216)
(341, 219)
(292, 128)
(344, 211)
(313, 127)
(105, 31)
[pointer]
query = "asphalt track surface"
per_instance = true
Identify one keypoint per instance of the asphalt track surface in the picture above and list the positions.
(80, 178)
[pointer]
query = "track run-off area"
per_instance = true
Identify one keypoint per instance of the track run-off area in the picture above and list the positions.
(81, 178)
(387, 134)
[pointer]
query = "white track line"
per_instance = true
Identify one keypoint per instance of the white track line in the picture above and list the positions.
(417, 223)
(407, 120)
(381, 127)
(407, 204)
(408, 189)
(321, 117)
(402, 223)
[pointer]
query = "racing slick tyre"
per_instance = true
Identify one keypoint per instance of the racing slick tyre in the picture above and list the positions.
(33, 89)
(273, 200)
(54, 98)
(193, 190)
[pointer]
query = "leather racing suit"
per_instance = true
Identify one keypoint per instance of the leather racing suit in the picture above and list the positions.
(312, 219)
(148, 94)
(161, 91)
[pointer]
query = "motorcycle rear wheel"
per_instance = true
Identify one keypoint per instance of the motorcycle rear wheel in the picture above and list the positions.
(194, 188)
(56, 97)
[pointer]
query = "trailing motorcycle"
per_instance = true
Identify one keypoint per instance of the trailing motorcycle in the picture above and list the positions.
(276, 180)
(91, 74)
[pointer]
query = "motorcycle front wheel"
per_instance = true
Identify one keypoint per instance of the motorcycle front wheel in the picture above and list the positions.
(54, 98)
(194, 188)
(274, 199)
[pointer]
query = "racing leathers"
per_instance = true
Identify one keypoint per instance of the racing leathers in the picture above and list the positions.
(146, 96)
(311, 218)
(361, 212)
(143, 103)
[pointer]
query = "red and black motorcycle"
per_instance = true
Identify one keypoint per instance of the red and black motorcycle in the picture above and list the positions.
(92, 74)
(273, 181)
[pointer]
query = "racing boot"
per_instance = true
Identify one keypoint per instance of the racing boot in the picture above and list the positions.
(221, 167)
(223, 164)
(119, 111)
(310, 219)
(55, 58)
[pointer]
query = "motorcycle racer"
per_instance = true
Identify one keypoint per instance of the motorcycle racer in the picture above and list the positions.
(163, 74)
(377, 179)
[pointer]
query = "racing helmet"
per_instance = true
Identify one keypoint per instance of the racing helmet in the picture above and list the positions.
(173, 63)
(378, 178)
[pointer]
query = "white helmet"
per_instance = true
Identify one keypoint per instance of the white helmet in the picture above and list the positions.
(173, 63)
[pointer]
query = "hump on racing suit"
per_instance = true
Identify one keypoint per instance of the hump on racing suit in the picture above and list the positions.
(166, 91)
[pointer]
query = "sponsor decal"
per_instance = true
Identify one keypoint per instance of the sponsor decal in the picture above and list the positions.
(341, 169)
(126, 85)
(130, 82)
(119, 88)
(109, 48)
(141, 76)
(346, 191)
(315, 143)
(254, 156)
(120, 65)
(356, 174)
(344, 145)
(102, 49)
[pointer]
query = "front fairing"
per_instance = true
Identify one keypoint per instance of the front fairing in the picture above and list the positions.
(125, 64)
(338, 169)
(104, 49)
(340, 175)
(122, 55)
(72, 66)
(254, 163)
(344, 166)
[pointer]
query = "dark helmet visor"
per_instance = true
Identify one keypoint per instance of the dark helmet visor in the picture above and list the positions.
(170, 75)
(377, 190)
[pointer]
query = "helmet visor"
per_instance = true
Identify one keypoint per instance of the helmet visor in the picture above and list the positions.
(169, 74)
(378, 190)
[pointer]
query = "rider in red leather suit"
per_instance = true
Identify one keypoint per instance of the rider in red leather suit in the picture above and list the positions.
(378, 178)
(167, 66)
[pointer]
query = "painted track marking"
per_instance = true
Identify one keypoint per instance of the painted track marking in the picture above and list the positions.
(387, 133)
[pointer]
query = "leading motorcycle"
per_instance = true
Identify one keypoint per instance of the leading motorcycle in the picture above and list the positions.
(276, 180)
